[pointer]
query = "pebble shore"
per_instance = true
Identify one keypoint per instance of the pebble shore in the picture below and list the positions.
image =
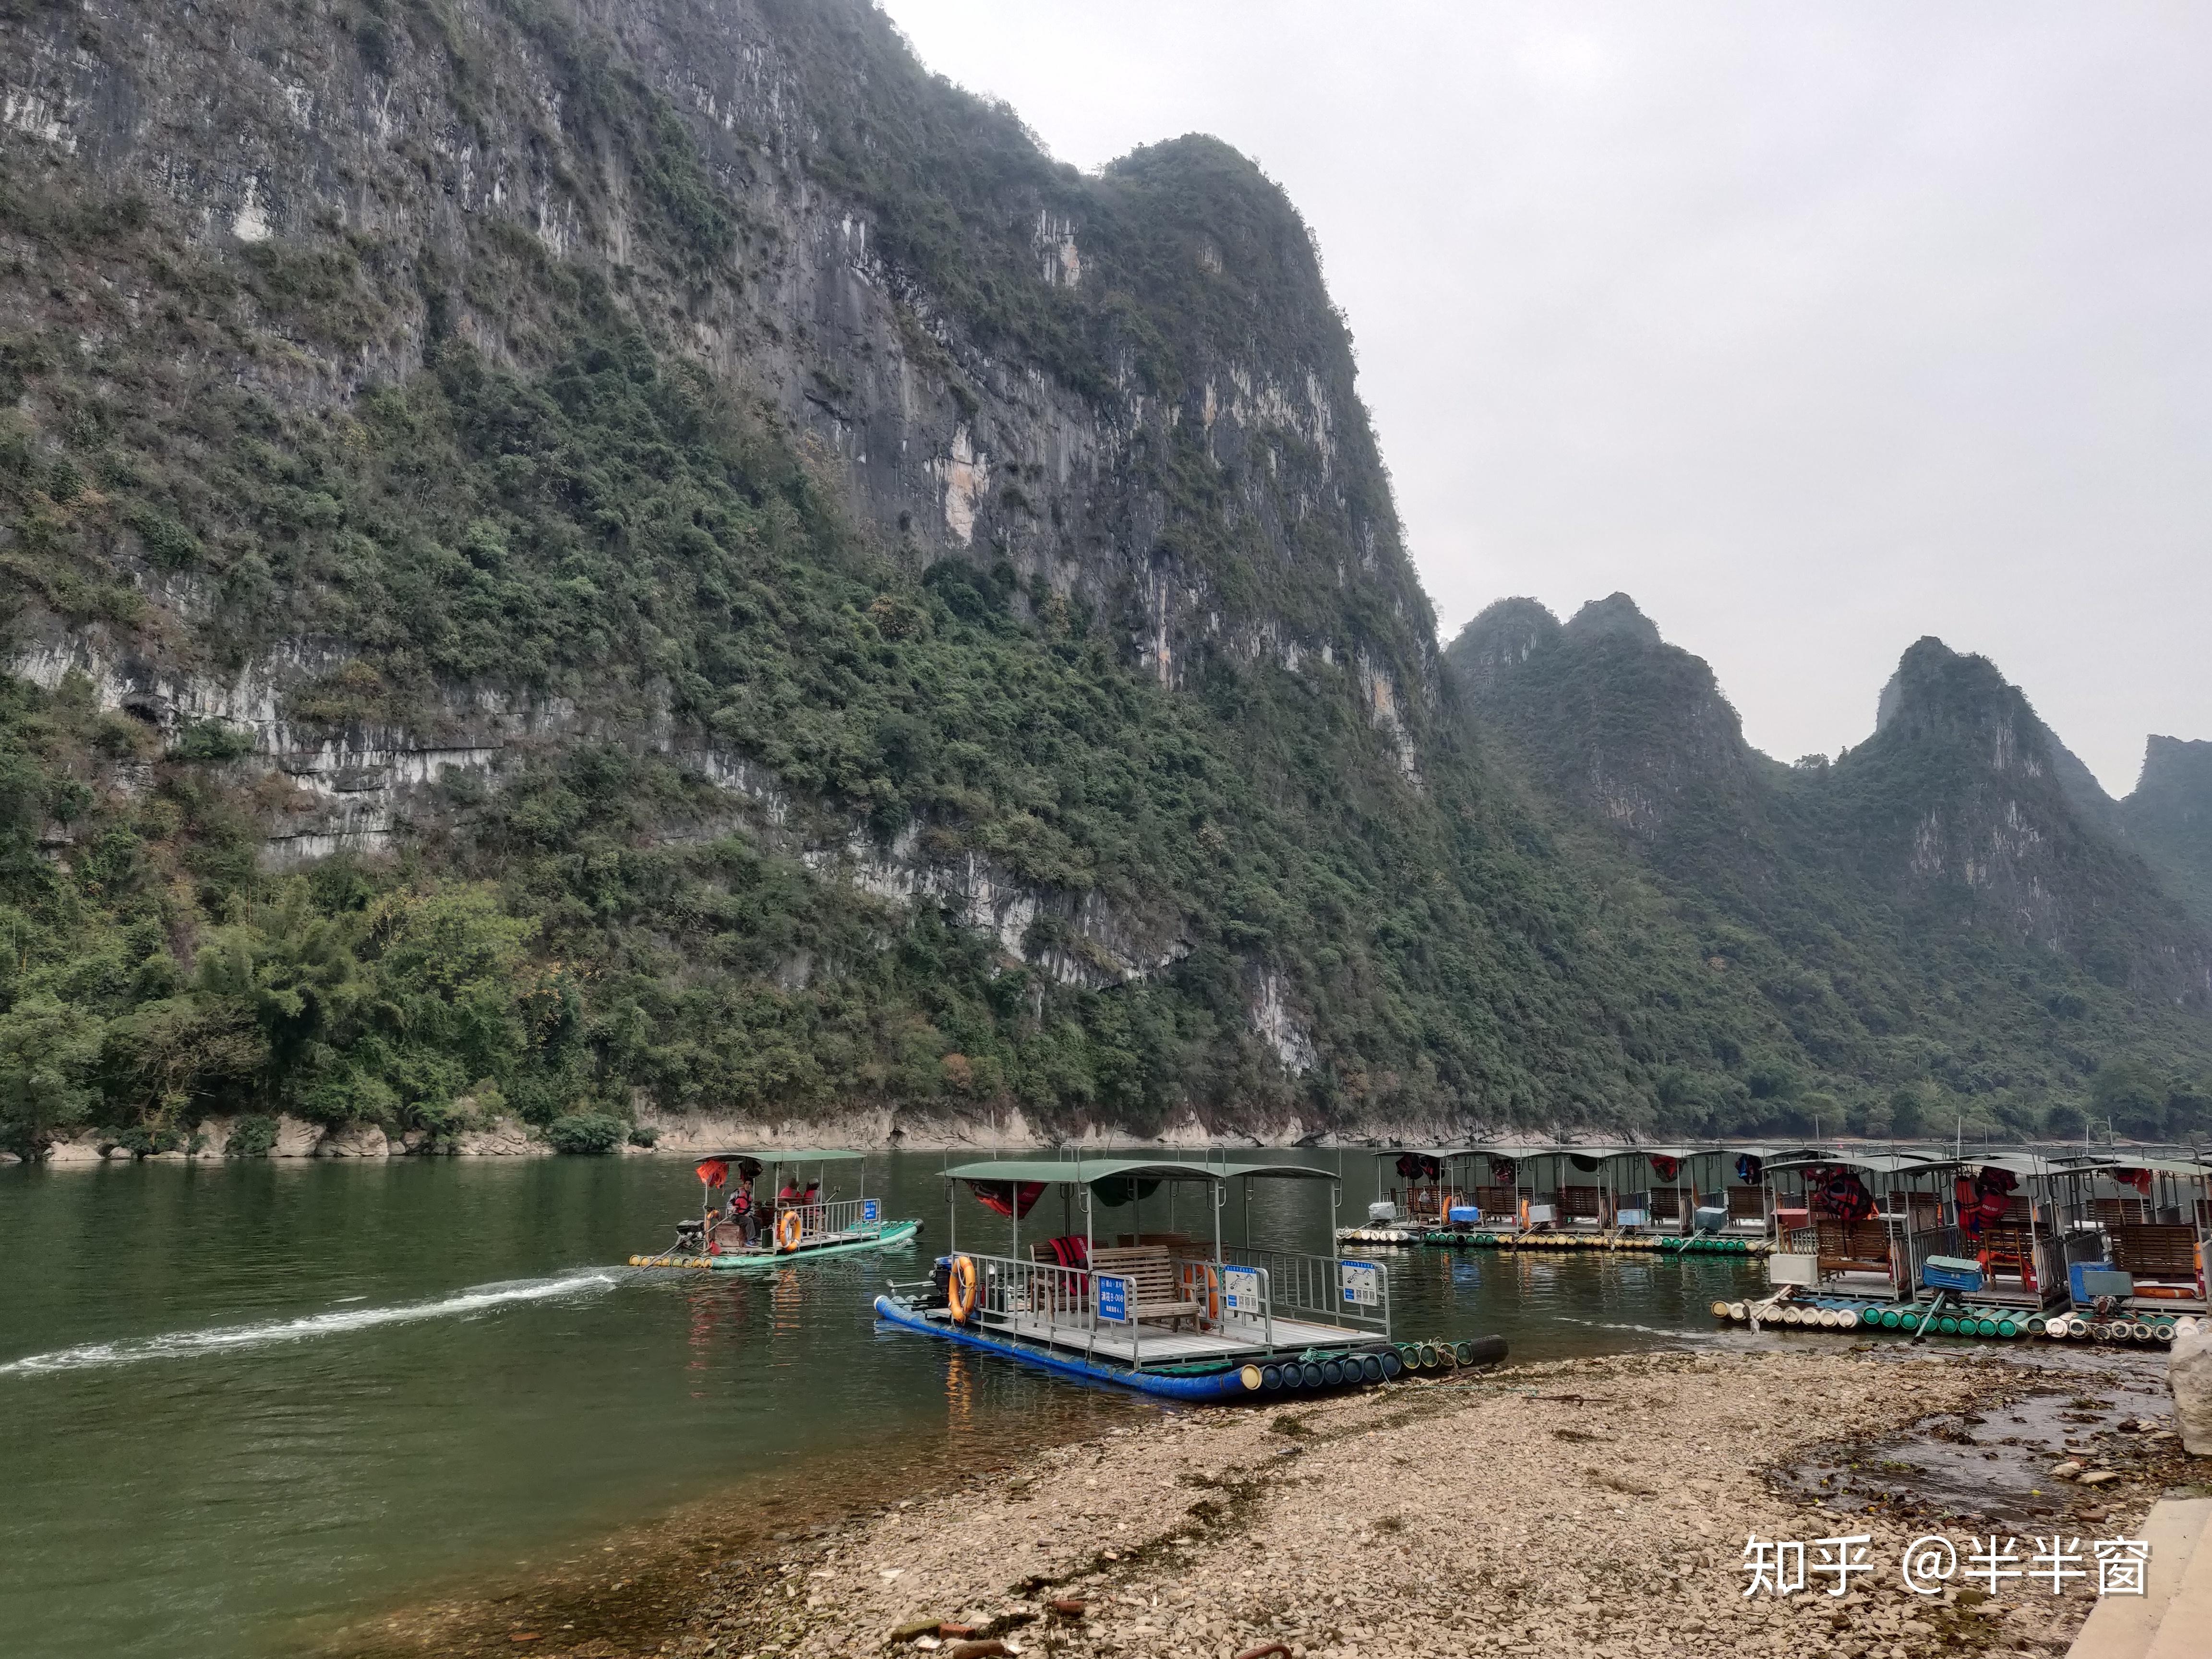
(1593, 1507)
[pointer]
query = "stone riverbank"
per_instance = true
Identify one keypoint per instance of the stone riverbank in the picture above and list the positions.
(1591, 1507)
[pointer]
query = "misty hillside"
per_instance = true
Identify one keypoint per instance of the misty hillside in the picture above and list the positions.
(2168, 819)
(1952, 912)
(596, 565)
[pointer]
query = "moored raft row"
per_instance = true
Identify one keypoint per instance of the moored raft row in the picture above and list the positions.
(1486, 1239)
(1975, 1324)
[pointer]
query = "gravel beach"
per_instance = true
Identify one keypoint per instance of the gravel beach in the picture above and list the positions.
(1600, 1506)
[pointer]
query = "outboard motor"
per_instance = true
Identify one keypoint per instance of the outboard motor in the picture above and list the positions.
(1381, 1213)
(1710, 1221)
(940, 1283)
(691, 1237)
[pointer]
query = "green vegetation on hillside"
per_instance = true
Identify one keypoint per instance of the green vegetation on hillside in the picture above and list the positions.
(551, 504)
(607, 922)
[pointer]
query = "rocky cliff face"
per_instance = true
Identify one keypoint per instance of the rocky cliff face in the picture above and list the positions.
(1129, 393)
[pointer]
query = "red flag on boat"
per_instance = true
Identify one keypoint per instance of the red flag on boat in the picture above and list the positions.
(1016, 1199)
(714, 1171)
(1665, 1168)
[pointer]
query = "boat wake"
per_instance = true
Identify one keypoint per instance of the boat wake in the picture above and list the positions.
(230, 1339)
(1681, 1333)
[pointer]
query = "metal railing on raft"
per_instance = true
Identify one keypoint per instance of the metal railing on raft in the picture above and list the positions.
(840, 1215)
(1020, 1295)
(1317, 1287)
(1072, 1305)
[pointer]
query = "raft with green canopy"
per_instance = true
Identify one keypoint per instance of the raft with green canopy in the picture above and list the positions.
(770, 1205)
(1137, 1285)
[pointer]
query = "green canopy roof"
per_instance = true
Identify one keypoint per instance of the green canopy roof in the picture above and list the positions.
(1089, 1170)
(784, 1155)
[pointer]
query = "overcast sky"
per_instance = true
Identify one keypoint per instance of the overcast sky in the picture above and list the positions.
(1816, 328)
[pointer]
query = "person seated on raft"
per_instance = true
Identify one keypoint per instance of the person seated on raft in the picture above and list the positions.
(742, 1215)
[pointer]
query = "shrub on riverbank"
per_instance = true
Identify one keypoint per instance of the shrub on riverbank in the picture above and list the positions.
(585, 1133)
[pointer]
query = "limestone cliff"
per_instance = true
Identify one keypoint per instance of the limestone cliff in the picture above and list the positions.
(1118, 390)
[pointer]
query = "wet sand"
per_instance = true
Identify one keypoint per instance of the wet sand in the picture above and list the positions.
(1593, 1506)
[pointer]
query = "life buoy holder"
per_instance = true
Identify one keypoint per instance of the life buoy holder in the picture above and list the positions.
(1210, 1301)
(788, 1228)
(960, 1293)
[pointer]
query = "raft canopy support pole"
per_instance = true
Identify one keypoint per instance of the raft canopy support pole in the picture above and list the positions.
(1090, 1271)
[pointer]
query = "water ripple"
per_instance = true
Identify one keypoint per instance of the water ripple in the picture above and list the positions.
(227, 1339)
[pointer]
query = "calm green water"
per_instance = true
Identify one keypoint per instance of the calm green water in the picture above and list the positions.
(247, 1405)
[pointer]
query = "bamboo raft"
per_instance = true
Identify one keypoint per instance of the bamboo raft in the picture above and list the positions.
(1972, 1323)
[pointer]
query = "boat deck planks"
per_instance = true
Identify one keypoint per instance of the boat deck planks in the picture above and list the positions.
(1160, 1346)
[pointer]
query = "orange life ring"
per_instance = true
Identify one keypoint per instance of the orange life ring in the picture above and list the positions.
(960, 1295)
(788, 1228)
(1211, 1301)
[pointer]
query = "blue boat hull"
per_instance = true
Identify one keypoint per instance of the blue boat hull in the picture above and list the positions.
(1238, 1382)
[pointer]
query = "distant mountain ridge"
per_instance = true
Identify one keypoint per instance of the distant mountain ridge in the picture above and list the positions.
(2168, 816)
(1953, 902)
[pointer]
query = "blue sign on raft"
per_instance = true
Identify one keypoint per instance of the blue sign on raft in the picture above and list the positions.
(1114, 1298)
(868, 1209)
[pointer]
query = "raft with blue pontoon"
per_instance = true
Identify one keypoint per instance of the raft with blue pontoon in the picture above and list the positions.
(771, 1207)
(1177, 1314)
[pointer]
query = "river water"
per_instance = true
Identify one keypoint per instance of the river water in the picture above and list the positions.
(248, 1407)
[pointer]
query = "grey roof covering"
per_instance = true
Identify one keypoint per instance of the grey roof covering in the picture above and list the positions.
(1091, 1169)
(2021, 1163)
(2100, 1165)
(1873, 1163)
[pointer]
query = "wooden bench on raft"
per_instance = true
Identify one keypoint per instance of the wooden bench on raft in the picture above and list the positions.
(1851, 1247)
(1497, 1201)
(1159, 1286)
(2162, 1253)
